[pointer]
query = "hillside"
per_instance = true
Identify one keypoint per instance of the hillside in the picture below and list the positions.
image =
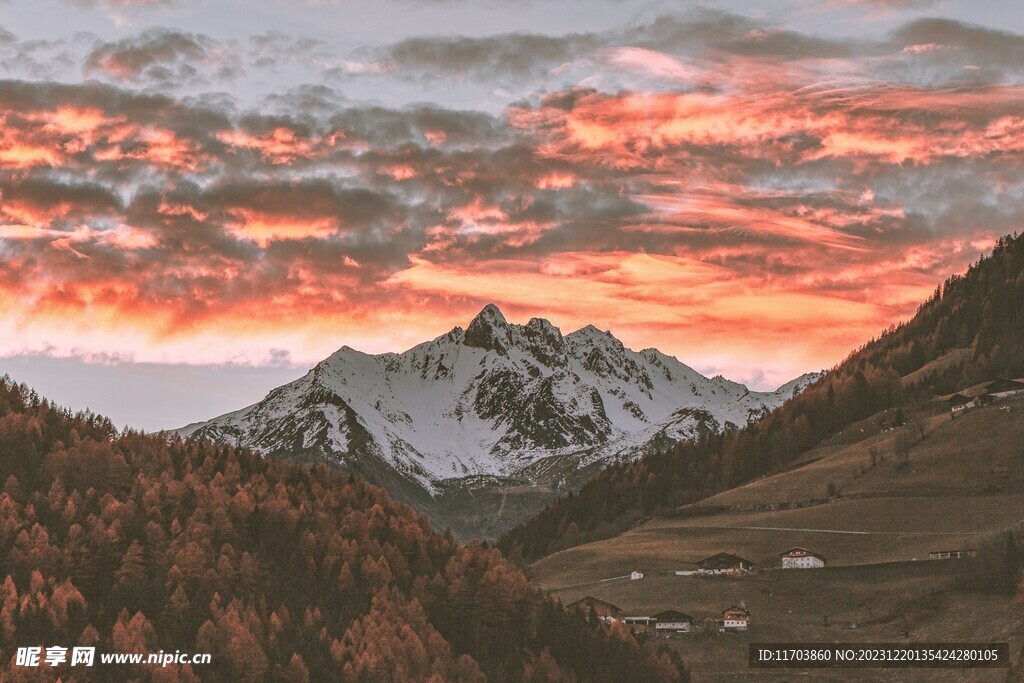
(982, 311)
(136, 543)
(480, 427)
(960, 485)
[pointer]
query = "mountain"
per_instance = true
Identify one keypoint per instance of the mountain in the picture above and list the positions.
(494, 407)
(134, 543)
(970, 331)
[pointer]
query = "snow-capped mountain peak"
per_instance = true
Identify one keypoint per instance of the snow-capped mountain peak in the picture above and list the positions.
(497, 399)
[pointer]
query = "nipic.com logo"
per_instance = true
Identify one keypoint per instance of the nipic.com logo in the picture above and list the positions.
(86, 656)
(54, 656)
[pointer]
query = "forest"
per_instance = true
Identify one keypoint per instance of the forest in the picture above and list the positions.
(137, 543)
(979, 314)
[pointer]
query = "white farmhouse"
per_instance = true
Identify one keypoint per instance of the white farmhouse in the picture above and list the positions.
(802, 558)
(736, 617)
(635, 575)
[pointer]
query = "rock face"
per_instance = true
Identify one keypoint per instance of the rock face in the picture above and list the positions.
(495, 408)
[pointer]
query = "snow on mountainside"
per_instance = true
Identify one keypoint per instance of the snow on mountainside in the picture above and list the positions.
(494, 400)
(489, 400)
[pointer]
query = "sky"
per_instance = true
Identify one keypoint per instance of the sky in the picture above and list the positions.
(200, 199)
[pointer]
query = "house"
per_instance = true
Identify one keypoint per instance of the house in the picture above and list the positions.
(959, 403)
(724, 563)
(605, 611)
(673, 621)
(1001, 388)
(952, 554)
(635, 575)
(639, 621)
(736, 617)
(802, 558)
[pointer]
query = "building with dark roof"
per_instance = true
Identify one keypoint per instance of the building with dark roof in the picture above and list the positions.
(605, 611)
(724, 563)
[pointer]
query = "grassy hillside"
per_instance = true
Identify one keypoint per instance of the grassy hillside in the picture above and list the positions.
(958, 486)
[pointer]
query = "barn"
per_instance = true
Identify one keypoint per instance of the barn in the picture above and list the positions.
(1001, 388)
(724, 563)
(671, 620)
(605, 611)
(959, 403)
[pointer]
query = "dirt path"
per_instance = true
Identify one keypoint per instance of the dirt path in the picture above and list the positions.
(578, 585)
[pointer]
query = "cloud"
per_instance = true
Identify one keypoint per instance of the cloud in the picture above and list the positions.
(512, 56)
(708, 180)
(165, 58)
(116, 4)
(888, 4)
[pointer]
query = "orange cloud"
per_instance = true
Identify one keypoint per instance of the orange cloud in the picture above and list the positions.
(556, 181)
(264, 228)
(280, 146)
(766, 219)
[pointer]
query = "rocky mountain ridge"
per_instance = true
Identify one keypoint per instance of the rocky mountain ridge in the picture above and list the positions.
(497, 403)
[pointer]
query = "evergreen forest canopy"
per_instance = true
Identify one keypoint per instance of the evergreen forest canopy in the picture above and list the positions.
(979, 317)
(138, 543)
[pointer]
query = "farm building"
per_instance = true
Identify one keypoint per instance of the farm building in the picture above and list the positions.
(605, 611)
(951, 554)
(671, 620)
(724, 563)
(736, 617)
(802, 558)
(635, 575)
(1001, 388)
(959, 403)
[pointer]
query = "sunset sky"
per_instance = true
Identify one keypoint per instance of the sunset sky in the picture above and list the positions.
(201, 198)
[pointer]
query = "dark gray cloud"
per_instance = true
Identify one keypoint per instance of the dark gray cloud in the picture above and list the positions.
(275, 48)
(891, 4)
(165, 58)
(987, 46)
(516, 57)
(513, 56)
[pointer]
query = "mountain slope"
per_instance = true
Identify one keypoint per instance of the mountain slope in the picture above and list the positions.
(496, 403)
(974, 324)
(135, 543)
